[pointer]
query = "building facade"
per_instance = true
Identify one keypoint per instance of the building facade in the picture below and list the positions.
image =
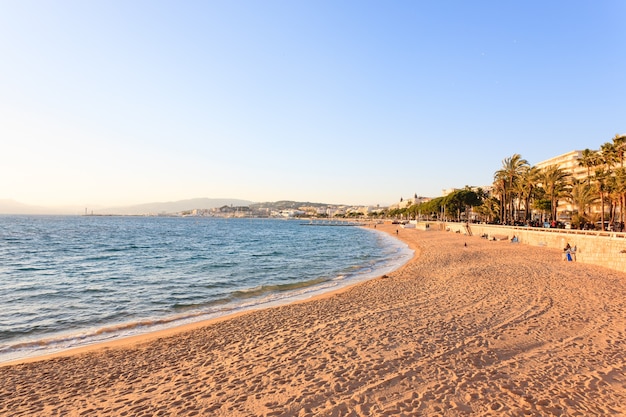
(568, 163)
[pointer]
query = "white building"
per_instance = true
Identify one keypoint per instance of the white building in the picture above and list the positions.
(568, 163)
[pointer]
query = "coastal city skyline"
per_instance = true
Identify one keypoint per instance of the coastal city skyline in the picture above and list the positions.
(117, 104)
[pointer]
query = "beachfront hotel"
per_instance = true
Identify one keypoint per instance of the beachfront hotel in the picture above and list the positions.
(568, 162)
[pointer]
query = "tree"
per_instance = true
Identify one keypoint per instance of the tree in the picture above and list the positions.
(609, 178)
(431, 208)
(554, 182)
(500, 189)
(489, 210)
(620, 185)
(589, 160)
(505, 180)
(582, 196)
(619, 143)
(460, 201)
(600, 179)
(609, 156)
(543, 205)
(526, 188)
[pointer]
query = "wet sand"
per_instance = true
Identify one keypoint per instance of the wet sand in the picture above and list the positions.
(487, 329)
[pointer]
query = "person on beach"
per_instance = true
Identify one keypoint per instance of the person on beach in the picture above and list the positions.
(568, 252)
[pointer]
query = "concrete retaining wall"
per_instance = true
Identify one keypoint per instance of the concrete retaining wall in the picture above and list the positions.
(607, 249)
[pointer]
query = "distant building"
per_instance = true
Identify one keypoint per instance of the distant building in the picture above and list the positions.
(409, 202)
(291, 213)
(230, 211)
(364, 210)
(568, 163)
(486, 189)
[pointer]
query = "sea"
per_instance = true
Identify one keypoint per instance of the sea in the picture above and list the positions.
(72, 281)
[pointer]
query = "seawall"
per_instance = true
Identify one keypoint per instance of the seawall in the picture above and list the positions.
(606, 249)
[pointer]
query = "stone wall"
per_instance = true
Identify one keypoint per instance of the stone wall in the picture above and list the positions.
(607, 249)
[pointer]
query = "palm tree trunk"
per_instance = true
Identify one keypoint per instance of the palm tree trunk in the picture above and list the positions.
(602, 212)
(621, 209)
(612, 207)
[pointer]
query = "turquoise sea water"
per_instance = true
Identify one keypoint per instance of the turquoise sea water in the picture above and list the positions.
(76, 280)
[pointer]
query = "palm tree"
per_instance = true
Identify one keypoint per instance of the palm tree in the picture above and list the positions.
(619, 143)
(620, 184)
(614, 195)
(609, 156)
(500, 189)
(541, 203)
(589, 159)
(582, 196)
(489, 209)
(600, 178)
(526, 187)
(554, 182)
(505, 180)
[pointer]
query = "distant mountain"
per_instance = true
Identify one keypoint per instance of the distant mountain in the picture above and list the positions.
(14, 207)
(173, 206)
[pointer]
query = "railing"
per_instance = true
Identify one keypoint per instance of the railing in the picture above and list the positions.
(604, 233)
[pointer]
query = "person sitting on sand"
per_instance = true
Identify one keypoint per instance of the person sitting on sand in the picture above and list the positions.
(568, 252)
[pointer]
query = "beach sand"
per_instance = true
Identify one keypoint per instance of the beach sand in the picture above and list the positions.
(487, 329)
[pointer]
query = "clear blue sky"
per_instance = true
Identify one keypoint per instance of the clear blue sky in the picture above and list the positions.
(105, 103)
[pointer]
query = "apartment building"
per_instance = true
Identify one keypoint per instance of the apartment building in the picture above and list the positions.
(568, 162)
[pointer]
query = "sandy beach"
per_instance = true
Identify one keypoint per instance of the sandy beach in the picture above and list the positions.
(487, 329)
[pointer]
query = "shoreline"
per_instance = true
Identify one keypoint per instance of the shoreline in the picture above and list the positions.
(70, 339)
(483, 329)
(170, 331)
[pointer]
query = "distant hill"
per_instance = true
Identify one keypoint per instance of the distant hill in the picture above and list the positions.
(14, 207)
(287, 204)
(8, 206)
(173, 206)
